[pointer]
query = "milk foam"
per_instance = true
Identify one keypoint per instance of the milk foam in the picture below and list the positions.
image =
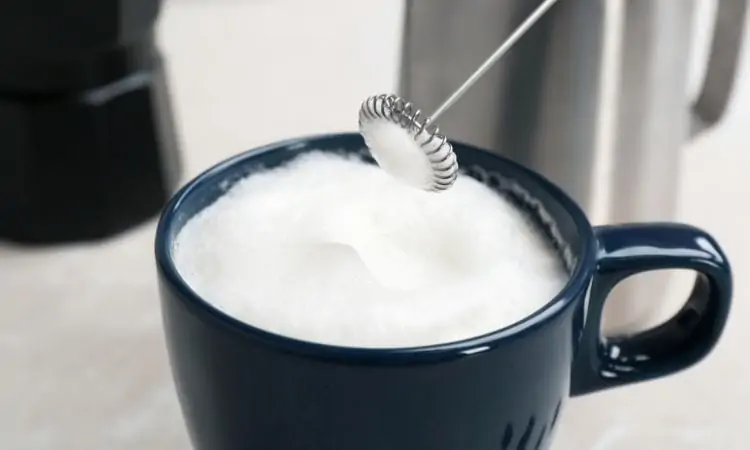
(396, 152)
(332, 250)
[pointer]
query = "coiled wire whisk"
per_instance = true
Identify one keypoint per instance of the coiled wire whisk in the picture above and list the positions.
(436, 148)
(439, 152)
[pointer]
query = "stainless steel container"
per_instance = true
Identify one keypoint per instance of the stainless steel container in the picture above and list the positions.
(543, 104)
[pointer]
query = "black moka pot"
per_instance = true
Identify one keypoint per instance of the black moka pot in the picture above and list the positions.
(87, 143)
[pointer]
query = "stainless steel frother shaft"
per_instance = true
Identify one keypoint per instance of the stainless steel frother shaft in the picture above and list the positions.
(495, 57)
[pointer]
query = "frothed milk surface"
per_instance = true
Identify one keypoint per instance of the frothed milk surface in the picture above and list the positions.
(333, 250)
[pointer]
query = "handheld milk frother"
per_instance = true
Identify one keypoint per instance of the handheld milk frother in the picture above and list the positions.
(410, 147)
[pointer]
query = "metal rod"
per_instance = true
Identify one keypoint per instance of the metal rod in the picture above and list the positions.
(504, 47)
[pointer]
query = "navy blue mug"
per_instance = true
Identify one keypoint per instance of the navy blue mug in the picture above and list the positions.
(243, 388)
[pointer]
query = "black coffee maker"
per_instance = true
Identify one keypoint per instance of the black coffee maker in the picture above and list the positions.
(87, 143)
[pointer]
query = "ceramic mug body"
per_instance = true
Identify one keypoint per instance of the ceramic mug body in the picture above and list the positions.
(244, 388)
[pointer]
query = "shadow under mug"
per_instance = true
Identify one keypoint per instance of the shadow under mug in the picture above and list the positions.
(244, 388)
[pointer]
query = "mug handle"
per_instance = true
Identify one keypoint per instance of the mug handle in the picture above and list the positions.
(625, 250)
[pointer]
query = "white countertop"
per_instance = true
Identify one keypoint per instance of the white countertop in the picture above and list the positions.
(84, 364)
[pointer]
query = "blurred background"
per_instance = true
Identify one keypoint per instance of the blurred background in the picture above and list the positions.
(83, 364)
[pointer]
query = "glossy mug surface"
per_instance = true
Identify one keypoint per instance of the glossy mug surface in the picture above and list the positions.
(244, 388)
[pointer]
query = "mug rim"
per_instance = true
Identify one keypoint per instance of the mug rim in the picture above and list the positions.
(577, 281)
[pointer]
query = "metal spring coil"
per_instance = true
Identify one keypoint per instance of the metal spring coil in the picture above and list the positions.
(436, 147)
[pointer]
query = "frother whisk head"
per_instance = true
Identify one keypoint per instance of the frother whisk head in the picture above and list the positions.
(410, 147)
(406, 144)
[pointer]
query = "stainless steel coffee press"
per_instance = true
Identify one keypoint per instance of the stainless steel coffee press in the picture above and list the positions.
(595, 97)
